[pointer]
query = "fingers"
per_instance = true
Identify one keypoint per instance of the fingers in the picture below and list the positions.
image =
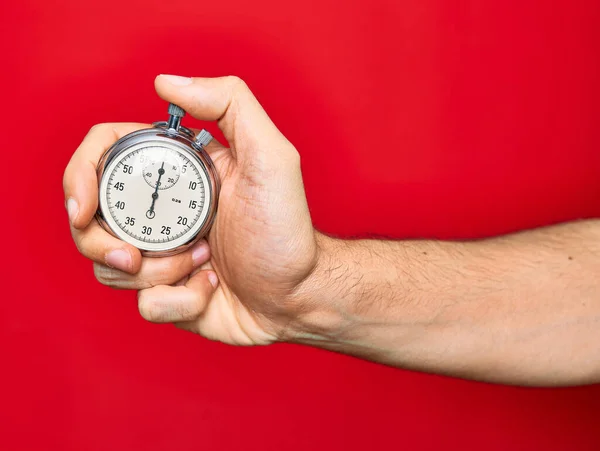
(227, 100)
(167, 304)
(80, 182)
(154, 272)
(100, 246)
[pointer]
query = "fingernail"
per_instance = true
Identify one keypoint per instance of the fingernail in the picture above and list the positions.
(72, 209)
(176, 80)
(213, 279)
(200, 253)
(119, 258)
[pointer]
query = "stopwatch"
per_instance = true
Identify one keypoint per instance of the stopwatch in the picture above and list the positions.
(158, 188)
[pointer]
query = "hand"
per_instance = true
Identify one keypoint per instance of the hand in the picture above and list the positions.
(116, 263)
(263, 244)
(262, 241)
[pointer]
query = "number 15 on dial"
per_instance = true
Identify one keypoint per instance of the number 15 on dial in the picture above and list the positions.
(158, 188)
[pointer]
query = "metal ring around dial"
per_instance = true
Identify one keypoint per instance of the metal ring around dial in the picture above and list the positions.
(183, 143)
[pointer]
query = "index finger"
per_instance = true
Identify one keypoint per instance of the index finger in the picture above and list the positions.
(80, 182)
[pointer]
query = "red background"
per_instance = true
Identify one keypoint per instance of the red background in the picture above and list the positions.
(413, 118)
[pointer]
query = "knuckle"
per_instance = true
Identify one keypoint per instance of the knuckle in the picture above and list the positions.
(168, 271)
(236, 83)
(294, 158)
(142, 284)
(148, 309)
(103, 281)
(80, 245)
(103, 275)
(101, 127)
(83, 246)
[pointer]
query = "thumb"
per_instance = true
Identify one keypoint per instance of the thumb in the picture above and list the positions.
(229, 101)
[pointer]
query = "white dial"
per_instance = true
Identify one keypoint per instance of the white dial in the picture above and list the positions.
(155, 195)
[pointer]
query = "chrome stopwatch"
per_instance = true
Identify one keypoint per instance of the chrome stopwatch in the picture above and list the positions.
(158, 188)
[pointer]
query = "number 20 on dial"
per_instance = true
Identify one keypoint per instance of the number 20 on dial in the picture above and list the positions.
(158, 188)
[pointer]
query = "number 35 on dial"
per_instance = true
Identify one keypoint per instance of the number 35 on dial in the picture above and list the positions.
(156, 192)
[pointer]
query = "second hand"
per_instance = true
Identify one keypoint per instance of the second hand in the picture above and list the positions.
(150, 213)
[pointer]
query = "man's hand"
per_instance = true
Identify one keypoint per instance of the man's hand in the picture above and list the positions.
(262, 241)
(521, 309)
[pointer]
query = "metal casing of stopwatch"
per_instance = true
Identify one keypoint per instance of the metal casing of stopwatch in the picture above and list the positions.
(170, 134)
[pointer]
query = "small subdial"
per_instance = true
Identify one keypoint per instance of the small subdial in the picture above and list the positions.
(168, 178)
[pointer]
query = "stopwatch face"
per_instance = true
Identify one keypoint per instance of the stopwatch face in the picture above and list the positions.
(155, 195)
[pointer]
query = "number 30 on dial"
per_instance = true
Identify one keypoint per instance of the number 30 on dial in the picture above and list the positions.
(157, 193)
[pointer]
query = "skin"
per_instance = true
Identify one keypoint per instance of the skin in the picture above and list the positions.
(521, 309)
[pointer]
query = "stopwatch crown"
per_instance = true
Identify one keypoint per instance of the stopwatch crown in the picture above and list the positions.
(175, 110)
(203, 138)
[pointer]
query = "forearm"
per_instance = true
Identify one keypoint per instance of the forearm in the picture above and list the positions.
(521, 309)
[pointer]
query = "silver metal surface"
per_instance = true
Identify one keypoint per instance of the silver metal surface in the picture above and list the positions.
(183, 140)
(165, 126)
(175, 115)
(203, 138)
(175, 110)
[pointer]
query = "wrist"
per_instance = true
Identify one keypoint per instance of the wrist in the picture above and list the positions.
(335, 296)
(363, 298)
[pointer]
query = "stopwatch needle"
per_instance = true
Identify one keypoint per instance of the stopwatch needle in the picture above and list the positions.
(150, 213)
